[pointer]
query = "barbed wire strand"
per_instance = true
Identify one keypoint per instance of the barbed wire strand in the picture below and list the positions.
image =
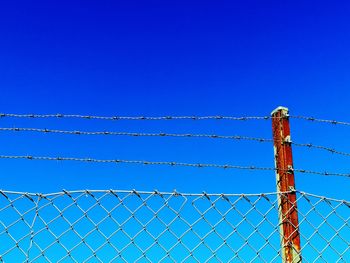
(312, 119)
(213, 117)
(244, 118)
(198, 165)
(135, 134)
(187, 135)
(320, 147)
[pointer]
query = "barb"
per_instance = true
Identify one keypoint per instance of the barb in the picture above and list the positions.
(197, 165)
(312, 119)
(187, 135)
(114, 118)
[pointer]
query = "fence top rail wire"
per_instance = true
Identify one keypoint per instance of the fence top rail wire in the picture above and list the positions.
(172, 164)
(161, 134)
(136, 192)
(209, 117)
(29, 195)
(5, 193)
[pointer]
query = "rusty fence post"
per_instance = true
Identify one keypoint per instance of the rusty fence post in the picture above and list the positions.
(287, 203)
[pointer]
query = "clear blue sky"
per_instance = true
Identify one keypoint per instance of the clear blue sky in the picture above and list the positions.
(172, 58)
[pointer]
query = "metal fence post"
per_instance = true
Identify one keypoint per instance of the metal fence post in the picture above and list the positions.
(287, 203)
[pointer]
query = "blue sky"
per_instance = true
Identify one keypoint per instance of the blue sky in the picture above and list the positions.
(153, 58)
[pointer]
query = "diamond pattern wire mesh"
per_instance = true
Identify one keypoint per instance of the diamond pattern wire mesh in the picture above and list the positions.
(130, 226)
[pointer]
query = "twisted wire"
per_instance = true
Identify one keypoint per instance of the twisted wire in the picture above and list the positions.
(154, 192)
(312, 119)
(187, 135)
(162, 193)
(135, 134)
(320, 147)
(198, 165)
(210, 117)
(93, 160)
(78, 116)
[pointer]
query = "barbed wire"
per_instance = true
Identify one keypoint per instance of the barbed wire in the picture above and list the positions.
(312, 119)
(59, 115)
(209, 117)
(186, 135)
(135, 134)
(93, 160)
(320, 147)
(167, 163)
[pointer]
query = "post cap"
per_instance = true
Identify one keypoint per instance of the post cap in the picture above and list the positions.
(284, 110)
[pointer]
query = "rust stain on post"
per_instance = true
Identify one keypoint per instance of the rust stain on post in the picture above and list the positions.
(288, 212)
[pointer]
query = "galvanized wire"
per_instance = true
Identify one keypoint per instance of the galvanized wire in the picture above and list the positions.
(143, 162)
(114, 118)
(137, 134)
(312, 119)
(153, 226)
(176, 135)
(172, 164)
(209, 117)
(320, 147)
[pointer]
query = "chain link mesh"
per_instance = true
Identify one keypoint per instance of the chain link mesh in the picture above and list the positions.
(130, 226)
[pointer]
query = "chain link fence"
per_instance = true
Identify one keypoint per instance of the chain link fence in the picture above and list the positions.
(131, 226)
